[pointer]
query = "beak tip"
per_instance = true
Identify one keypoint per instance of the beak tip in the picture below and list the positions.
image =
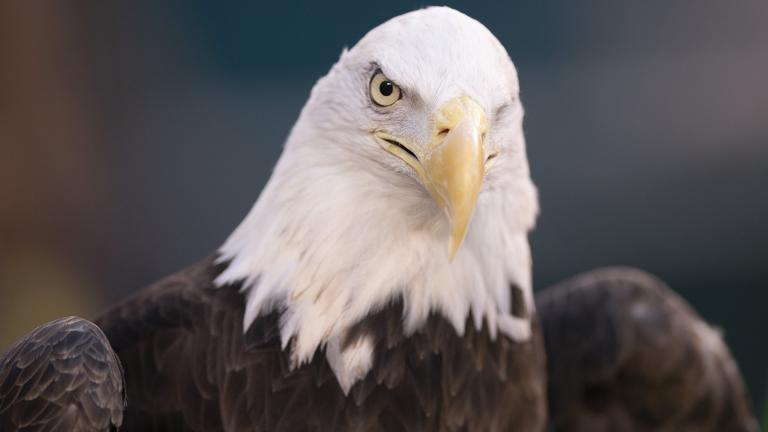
(453, 248)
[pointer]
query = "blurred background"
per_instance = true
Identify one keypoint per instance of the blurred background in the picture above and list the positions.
(134, 136)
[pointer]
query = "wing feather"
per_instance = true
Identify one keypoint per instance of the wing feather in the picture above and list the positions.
(61, 376)
(624, 352)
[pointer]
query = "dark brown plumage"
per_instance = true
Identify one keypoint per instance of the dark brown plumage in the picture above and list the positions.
(63, 376)
(189, 367)
(624, 353)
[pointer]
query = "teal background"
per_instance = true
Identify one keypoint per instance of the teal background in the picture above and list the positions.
(137, 134)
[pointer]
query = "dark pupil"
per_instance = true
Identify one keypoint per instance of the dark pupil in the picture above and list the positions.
(386, 88)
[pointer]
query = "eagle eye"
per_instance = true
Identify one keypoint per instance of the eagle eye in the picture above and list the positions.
(383, 91)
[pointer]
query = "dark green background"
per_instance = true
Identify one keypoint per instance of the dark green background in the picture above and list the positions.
(647, 128)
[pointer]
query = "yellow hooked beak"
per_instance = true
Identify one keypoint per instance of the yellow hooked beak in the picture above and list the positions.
(452, 166)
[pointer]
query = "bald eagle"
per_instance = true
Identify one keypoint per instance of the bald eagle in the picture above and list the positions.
(382, 281)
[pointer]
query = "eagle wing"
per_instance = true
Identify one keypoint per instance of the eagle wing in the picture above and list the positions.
(625, 353)
(63, 376)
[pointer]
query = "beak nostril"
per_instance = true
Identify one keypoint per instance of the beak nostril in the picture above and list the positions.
(443, 132)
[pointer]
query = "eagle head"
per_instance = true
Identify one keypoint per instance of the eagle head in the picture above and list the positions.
(405, 178)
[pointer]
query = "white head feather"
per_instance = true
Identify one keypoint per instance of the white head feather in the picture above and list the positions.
(343, 228)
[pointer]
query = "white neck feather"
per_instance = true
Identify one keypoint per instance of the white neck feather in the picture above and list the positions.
(340, 231)
(328, 244)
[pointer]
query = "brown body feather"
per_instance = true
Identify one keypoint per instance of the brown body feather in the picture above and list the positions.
(624, 353)
(189, 367)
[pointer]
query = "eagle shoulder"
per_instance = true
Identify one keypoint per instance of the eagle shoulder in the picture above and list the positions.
(624, 352)
(61, 376)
